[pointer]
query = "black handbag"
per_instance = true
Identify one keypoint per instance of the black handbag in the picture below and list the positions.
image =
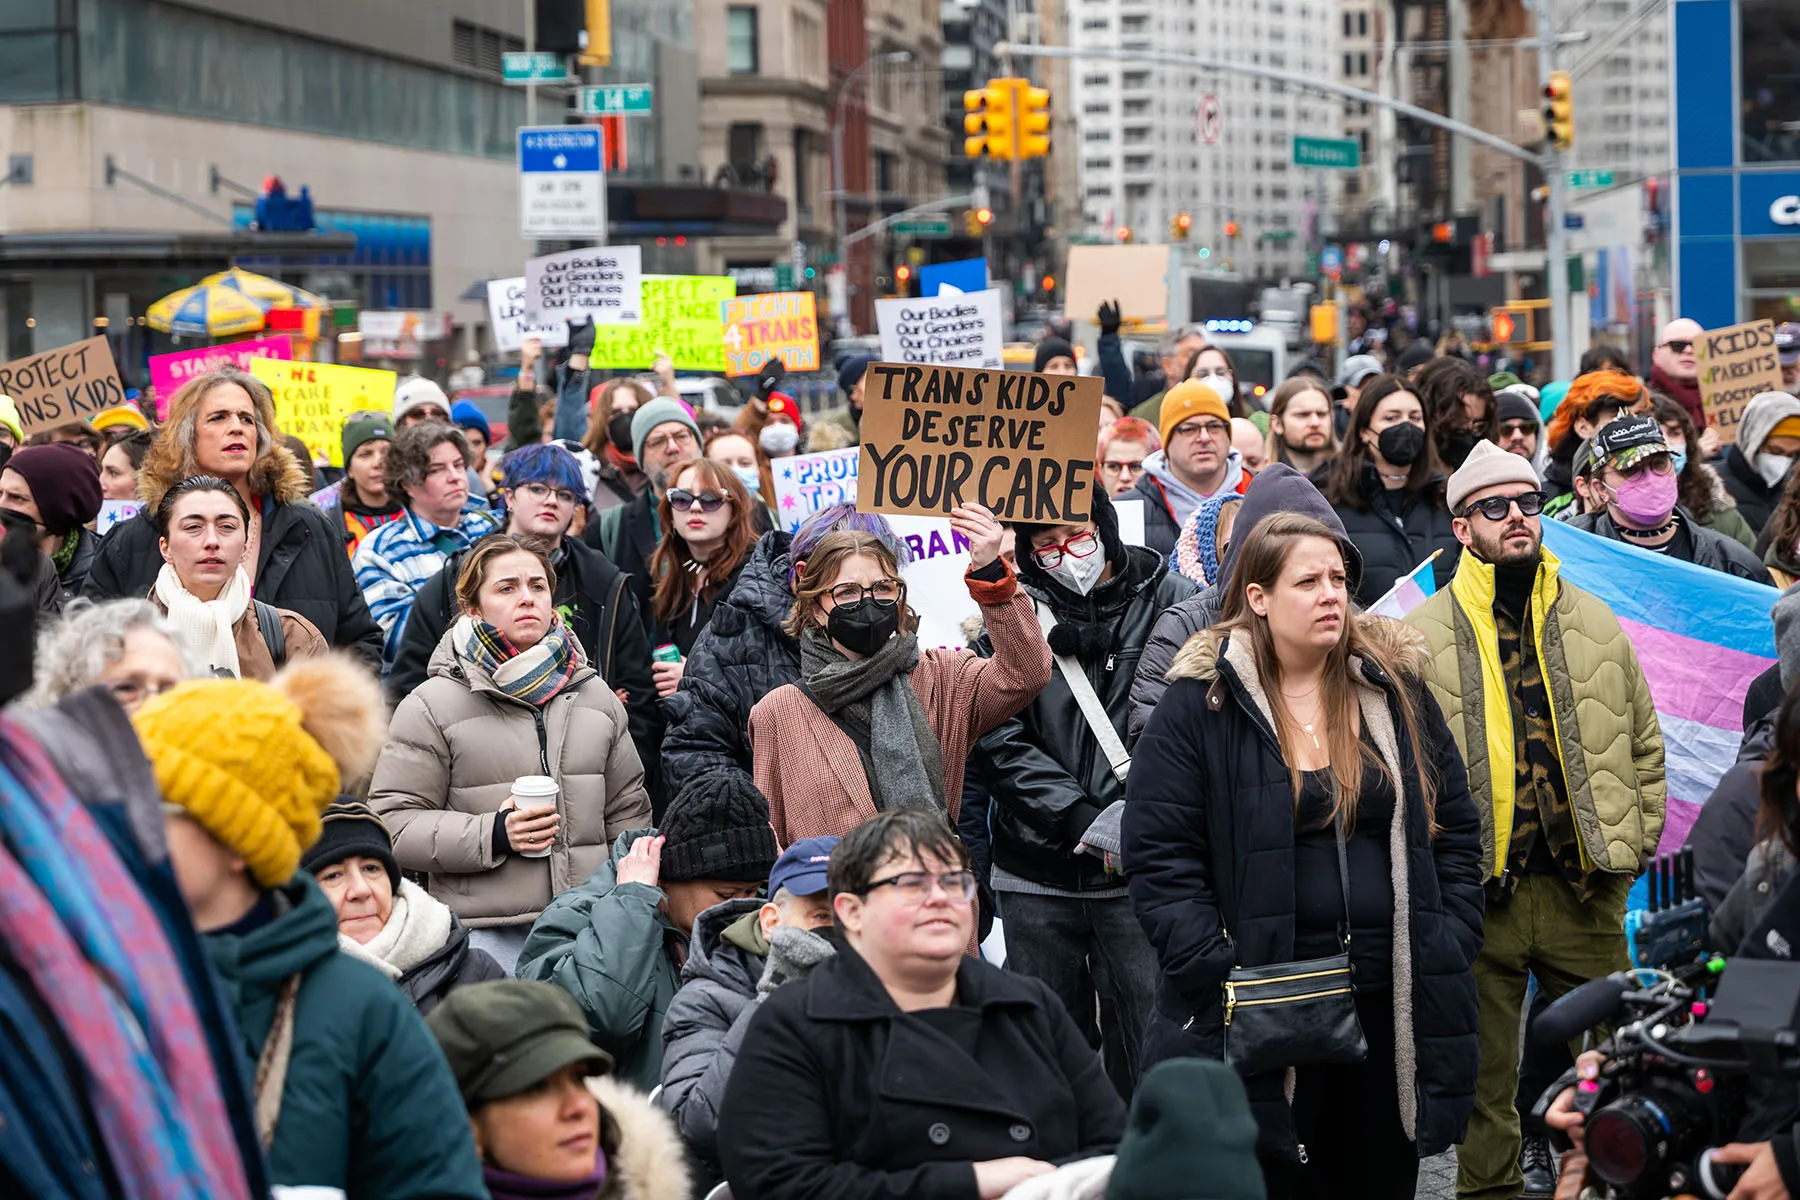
(1296, 1014)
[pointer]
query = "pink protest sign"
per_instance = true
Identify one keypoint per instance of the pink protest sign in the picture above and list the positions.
(169, 371)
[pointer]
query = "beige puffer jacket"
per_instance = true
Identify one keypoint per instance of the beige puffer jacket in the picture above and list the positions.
(456, 745)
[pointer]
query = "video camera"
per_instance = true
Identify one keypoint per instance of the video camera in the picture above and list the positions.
(1690, 1031)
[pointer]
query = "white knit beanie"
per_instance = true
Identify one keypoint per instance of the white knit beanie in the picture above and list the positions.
(1486, 466)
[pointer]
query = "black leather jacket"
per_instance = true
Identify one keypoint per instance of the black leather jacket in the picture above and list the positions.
(1049, 777)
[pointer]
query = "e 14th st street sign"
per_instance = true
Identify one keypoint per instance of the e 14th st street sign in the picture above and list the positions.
(1342, 154)
(617, 100)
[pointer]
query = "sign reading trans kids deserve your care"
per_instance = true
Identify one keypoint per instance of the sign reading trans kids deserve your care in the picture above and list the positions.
(948, 331)
(1019, 443)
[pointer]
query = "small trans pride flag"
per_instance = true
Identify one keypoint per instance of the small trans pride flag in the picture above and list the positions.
(1416, 587)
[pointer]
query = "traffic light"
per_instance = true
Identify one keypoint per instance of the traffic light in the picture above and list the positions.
(903, 274)
(1049, 283)
(1179, 225)
(559, 25)
(1124, 233)
(989, 121)
(1559, 110)
(598, 50)
(1231, 229)
(1034, 119)
(977, 220)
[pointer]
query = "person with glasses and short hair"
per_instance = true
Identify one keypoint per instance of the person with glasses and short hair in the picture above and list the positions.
(1197, 460)
(1675, 367)
(901, 1067)
(877, 720)
(1575, 806)
(709, 527)
(1124, 445)
(124, 646)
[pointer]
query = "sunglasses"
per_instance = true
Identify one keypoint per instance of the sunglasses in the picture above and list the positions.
(681, 500)
(1679, 345)
(1495, 508)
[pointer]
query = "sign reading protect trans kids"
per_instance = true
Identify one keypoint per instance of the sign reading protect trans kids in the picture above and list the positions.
(562, 182)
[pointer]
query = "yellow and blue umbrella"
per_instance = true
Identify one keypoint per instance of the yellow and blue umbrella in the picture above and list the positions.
(266, 292)
(205, 310)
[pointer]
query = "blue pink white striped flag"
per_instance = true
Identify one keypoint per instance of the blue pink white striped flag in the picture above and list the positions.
(1701, 637)
(1414, 588)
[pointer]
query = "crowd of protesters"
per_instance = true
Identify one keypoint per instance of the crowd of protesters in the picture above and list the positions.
(540, 818)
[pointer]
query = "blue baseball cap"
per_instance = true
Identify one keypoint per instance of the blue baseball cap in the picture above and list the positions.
(801, 867)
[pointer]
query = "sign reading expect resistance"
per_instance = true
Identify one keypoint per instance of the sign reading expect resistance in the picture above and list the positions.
(936, 437)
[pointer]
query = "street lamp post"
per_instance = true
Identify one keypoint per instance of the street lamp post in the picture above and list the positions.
(840, 215)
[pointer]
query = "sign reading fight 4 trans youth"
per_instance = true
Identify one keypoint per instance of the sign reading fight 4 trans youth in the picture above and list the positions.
(603, 283)
(947, 331)
(1735, 364)
(769, 325)
(562, 182)
(61, 386)
(936, 437)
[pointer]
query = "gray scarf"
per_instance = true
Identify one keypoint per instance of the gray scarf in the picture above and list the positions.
(792, 954)
(874, 699)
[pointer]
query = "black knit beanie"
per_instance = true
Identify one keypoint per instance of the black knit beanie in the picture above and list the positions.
(718, 828)
(1049, 348)
(352, 830)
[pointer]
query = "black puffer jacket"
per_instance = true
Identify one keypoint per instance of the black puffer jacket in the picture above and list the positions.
(1756, 500)
(742, 656)
(1725, 828)
(628, 535)
(455, 964)
(597, 598)
(1046, 771)
(1208, 841)
(1398, 531)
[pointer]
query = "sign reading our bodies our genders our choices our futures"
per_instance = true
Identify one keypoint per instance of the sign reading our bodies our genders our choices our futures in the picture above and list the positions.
(935, 437)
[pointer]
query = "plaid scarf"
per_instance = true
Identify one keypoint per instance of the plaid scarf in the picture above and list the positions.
(74, 919)
(533, 676)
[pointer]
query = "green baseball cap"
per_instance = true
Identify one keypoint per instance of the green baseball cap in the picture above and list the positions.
(505, 1036)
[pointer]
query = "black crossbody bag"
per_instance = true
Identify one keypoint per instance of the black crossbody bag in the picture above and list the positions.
(1296, 1014)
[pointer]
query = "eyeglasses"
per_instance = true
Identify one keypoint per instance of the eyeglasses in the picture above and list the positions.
(914, 887)
(1080, 546)
(133, 690)
(681, 500)
(668, 441)
(1657, 464)
(1495, 508)
(884, 591)
(1114, 468)
(1211, 430)
(1679, 345)
(541, 492)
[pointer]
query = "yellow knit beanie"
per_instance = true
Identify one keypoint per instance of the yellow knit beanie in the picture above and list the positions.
(1189, 398)
(257, 763)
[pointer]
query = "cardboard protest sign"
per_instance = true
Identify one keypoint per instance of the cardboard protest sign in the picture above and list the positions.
(169, 371)
(771, 325)
(313, 400)
(806, 483)
(506, 317)
(1136, 276)
(953, 278)
(682, 317)
(1019, 443)
(59, 387)
(1736, 363)
(945, 331)
(602, 283)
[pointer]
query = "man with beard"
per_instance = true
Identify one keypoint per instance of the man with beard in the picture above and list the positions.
(1300, 425)
(1574, 809)
(663, 433)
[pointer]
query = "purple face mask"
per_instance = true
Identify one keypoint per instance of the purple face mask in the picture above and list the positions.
(1647, 498)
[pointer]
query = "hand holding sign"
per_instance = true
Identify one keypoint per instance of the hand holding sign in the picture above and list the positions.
(983, 531)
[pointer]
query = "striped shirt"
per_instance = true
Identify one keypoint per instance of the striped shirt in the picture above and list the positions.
(396, 559)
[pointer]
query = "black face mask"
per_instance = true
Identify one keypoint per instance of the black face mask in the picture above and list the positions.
(618, 432)
(864, 627)
(1456, 447)
(1401, 444)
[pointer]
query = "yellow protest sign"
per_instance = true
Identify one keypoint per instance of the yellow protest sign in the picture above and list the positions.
(313, 400)
(683, 318)
(770, 325)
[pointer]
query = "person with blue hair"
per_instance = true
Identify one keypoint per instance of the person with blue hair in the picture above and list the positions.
(544, 486)
(744, 653)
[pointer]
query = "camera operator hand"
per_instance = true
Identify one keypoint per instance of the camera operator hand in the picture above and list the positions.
(1762, 1180)
(1563, 1116)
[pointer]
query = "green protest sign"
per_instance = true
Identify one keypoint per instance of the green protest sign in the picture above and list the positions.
(684, 317)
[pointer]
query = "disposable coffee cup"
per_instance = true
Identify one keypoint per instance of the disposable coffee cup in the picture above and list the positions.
(534, 793)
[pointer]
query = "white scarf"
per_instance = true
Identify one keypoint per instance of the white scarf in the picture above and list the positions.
(417, 927)
(203, 628)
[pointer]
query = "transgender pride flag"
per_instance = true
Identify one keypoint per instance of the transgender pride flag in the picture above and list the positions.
(1701, 637)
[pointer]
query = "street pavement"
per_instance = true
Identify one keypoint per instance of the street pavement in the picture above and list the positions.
(1437, 1177)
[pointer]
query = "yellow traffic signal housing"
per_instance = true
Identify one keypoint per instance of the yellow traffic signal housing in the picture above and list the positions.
(1034, 119)
(977, 220)
(1124, 233)
(975, 122)
(989, 121)
(1559, 110)
(1179, 225)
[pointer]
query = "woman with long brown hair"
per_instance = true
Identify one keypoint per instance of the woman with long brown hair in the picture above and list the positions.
(1295, 797)
(608, 439)
(709, 525)
(1214, 362)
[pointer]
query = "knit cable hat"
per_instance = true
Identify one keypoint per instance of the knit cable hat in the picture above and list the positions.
(64, 482)
(1189, 398)
(352, 829)
(257, 763)
(718, 828)
(1486, 466)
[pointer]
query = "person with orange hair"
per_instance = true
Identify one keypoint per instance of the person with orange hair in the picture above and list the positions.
(1119, 460)
(1591, 401)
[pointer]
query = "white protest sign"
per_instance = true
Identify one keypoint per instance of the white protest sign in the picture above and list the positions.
(114, 511)
(943, 331)
(602, 283)
(506, 316)
(806, 483)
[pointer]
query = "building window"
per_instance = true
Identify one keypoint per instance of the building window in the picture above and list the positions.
(1349, 62)
(1362, 64)
(479, 47)
(740, 40)
(1362, 24)
(1771, 96)
(744, 145)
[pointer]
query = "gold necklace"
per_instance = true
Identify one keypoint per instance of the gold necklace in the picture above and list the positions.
(1307, 727)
